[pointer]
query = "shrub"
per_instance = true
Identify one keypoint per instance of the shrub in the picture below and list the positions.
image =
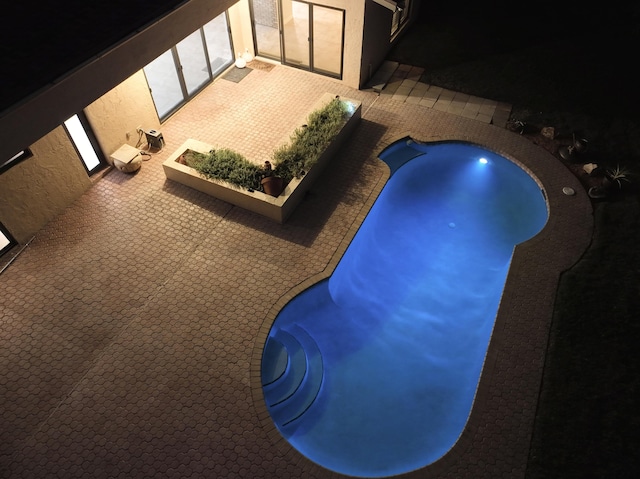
(227, 165)
(307, 143)
(290, 161)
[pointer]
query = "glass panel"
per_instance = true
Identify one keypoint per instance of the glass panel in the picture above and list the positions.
(216, 34)
(14, 160)
(83, 144)
(193, 62)
(400, 16)
(164, 84)
(5, 241)
(327, 40)
(267, 31)
(295, 21)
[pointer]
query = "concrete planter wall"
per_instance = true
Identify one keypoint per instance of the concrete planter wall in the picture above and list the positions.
(278, 209)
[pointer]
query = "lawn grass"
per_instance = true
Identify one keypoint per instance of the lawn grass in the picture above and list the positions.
(588, 421)
(566, 69)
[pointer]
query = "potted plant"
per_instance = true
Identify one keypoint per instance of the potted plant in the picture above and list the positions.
(271, 184)
(616, 177)
(293, 167)
(614, 180)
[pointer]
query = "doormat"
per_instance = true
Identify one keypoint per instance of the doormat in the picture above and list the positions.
(236, 74)
(263, 66)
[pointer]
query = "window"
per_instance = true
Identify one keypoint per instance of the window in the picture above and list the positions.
(185, 69)
(300, 34)
(14, 160)
(6, 240)
(400, 16)
(85, 143)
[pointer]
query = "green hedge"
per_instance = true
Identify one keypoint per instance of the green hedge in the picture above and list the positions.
(290, 161)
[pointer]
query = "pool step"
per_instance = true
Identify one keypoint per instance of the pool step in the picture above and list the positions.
(275, 360)
(291, 394)
(290, 380)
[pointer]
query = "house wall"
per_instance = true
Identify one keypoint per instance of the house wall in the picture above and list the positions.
(354, 25)
(377, 37)
(240, 25)
(376, 40)
(39, 188)
(115, 116)
(28, 121)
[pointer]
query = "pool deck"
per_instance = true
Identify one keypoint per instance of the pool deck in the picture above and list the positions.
(133, 323)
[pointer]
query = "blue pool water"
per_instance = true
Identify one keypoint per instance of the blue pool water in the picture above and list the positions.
(373, 372)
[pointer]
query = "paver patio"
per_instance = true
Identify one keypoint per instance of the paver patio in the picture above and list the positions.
(132, 324)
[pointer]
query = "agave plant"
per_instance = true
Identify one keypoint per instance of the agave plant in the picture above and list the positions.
(618, 175)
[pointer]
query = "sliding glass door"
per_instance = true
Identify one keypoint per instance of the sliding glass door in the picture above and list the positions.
(181, 72)
(300, 34)
(192, 59)
(296, 32)
(328, 37)
(266, 28)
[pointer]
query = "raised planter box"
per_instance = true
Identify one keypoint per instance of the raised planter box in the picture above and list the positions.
(278, 209)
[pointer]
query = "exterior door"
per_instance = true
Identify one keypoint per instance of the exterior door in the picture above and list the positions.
(266, 28)
(185, 69)
(296, 33)
(299, 34)
(328, 40)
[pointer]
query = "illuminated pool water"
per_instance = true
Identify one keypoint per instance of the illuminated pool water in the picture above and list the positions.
(373, 372)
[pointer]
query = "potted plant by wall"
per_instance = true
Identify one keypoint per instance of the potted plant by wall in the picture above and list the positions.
(613, 181)
(616, 177)
(271, 184)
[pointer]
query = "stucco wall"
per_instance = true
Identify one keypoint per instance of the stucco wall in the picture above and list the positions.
(354, 25)
(240, 25)
(33, 118)
(377, 40)
(39, 188)
(115, 116)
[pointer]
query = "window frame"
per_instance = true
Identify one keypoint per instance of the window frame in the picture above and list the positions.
(400, 17)
(15, 159)
(12, 242)
(186, 96)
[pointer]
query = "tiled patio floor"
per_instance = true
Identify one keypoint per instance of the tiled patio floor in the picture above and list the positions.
(132, 325)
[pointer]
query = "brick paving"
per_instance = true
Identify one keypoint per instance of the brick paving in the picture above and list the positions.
(132, 325)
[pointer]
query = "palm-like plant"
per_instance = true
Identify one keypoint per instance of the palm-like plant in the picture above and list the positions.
(618, 175)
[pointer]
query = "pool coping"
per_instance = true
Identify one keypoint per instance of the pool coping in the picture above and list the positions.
(537, 265)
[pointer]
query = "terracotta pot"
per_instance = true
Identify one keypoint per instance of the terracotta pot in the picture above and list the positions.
(272, 185)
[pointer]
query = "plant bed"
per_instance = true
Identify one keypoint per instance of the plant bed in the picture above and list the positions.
(299, 171)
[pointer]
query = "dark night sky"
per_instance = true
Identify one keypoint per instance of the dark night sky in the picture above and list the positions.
(40, 41)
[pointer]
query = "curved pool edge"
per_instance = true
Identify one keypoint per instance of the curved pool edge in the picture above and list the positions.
(535, 270)
(257, 394)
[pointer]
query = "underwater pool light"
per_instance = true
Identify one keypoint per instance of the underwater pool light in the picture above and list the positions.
(484, 161)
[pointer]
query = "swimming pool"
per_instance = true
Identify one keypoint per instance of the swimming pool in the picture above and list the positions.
(373, 371)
